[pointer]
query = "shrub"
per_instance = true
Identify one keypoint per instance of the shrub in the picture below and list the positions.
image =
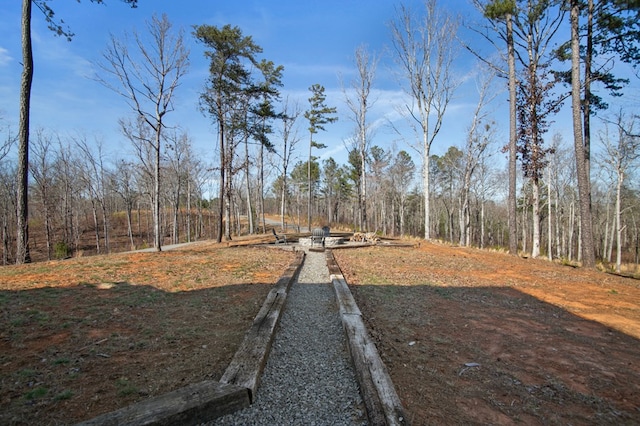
(61, 250)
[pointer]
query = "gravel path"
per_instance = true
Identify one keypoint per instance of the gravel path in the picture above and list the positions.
(308, 379)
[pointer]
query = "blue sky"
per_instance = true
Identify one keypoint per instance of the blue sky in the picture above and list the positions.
(314, 41)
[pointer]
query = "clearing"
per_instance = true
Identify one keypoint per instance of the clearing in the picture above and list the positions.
(469, 336)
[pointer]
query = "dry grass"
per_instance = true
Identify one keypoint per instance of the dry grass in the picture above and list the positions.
(85, 336)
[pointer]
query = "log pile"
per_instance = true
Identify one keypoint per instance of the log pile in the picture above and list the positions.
(365, 237)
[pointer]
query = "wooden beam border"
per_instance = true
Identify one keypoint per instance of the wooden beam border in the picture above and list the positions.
(377, 390)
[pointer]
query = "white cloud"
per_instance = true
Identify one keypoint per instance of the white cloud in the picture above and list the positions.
(5, 58)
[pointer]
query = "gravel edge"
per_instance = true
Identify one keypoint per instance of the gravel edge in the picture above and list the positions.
(309, 378)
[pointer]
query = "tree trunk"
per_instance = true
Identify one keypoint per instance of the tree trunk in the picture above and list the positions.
(425, 182)
(586, 102)
(482, 228)
(261, 189)
(156, 194)
(129, 225)
(535, 217)
(363, 179)
(571, 231)
(524, 226)
(549, 220)
(248, 187)
(619, 221)
(176, 211)
(94, 211)
(559, 250)
(283, 195)
(512, 206)
(22, 249)
(586, 231)
(612, 238)
(228, 202)
(222, 183)
(465, 214)
(309, 185)
(105, 226)
(609, 225)
(579, 251)
(47, 222)
(5, 239)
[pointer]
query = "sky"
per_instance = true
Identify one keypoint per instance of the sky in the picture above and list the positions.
(315, 41)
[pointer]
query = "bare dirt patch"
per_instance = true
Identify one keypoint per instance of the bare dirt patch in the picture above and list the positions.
(469, 336)
(478, 337)
(86, 336)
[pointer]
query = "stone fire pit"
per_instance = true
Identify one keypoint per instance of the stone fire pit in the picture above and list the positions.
(328, 241)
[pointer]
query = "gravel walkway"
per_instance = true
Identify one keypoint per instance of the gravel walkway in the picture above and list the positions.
(308, 379)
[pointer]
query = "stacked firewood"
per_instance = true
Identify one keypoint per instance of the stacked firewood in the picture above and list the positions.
(358, 237)
(365, 237)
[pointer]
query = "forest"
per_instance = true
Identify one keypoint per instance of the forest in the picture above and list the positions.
(532, 192)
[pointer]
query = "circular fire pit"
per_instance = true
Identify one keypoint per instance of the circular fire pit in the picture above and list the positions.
(328, 241)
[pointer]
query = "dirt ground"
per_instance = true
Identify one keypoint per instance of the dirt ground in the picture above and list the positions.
(469, 336)
(86, 336)
(479, 337)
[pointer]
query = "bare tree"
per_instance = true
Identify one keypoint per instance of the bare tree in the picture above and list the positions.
(140, 134)
(425, 50)
(179, 151)
(7, 142)
(486, 184)
(402, 171)
(66, 167)
(379, 169)
(8, 193)
(620, 157)
(501, 15)
(42, 168)
(93, 172)
(553, 197)
(124, 186)
(359, 103)
(290, 138)
(478, 137)
(8, 198)
(447, 173)
(22, 243)
(147, 78)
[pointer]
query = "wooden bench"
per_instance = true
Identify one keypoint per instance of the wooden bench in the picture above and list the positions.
(279, 238)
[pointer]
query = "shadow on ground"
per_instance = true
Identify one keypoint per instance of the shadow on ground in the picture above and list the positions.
(70, 353)
(495, 355)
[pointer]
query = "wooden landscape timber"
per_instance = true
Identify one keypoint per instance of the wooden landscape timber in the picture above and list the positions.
(207, 400)
(378, 392)
(190, 405)
(201, 402)
(248, 363)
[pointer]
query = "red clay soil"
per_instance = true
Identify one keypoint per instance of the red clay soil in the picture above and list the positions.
(469, 336)
(86, 336)
(479, 337)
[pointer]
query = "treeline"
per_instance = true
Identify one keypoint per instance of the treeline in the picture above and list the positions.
(576, 203)
(85, 200)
